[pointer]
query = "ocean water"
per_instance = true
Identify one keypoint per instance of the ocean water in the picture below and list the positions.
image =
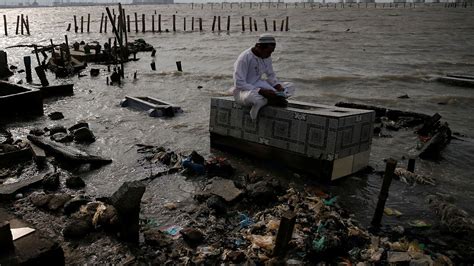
(363, 55)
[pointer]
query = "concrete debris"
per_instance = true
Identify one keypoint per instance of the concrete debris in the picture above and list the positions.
(412, 178)
(223, 188)
(56, 116)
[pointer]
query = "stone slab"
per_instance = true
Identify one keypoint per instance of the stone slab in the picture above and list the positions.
(9, 191)
(223, 188)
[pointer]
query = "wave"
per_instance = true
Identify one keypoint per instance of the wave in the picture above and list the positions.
(453, 100)
(351, 78)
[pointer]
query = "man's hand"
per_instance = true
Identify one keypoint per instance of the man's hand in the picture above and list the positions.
(267, 93)
(278, 87)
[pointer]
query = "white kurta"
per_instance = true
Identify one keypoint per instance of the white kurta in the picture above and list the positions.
(248, 72)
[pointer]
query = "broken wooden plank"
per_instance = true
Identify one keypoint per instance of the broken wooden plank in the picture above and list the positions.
(57, 90)
(66, 152)
(457, 80)
(9, 191)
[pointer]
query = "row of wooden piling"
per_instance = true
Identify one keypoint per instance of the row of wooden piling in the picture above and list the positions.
(105, 20)
(22, 25)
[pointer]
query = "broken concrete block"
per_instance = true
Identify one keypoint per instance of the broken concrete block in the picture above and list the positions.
(51, 181)
(62, 137)
(223, 188)
(75, 182)
(126, 201)
(57, 201)
(83, 134)
(9, 191)
(56, 115)
(6, 238)
(398, 257)
(78, 125)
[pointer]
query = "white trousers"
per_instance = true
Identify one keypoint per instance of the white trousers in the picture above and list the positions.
(255, 100)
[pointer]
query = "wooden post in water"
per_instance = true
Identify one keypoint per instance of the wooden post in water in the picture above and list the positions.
(411, 165)
(101, 22)
(285, 232)
(27, 25)
(153, 23)
(128, 23)
(178, 66)
(243, 24)
(124, 30)
(265, 22)
(200, 24)
(213, 23)
(136, 22)
(27, 62)
(22, 22)
(105, 24)
(159, 23)
(255, 24)
(143, 22)
(17, 24)
(250, 24)
(184, 23)
(88, 22)
(219, 23)
(274, 25)
(192, 23)
(174, 23)
(5, 24)
(387, 180)
(75, 24)
(228, 23)
(282, 24)
(82, 24)
(287, 27)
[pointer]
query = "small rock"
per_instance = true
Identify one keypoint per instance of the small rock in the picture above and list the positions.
(95, 72)
(78, 125)
(51, 181)
(261, 192)
(56, 116)
(56, 129)
(18, 196)
(40, 199)
(236, 256)
(398, 257)
(37, 132)
(216, 203)
(155, 237)
(75, 182)
(170, 206)
(84, 134)
(62, 137)
(192, 236)
(57, 201)
(75, 204)
(77, 228)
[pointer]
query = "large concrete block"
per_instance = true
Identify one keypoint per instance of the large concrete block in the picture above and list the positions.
(311, 130)
(17, 100)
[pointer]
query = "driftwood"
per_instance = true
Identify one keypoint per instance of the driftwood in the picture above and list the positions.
(67, 153)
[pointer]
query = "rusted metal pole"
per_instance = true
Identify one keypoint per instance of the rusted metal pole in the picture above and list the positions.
(387, 180)
(285, 232)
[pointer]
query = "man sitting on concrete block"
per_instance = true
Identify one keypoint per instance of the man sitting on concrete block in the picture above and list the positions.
(249, 87)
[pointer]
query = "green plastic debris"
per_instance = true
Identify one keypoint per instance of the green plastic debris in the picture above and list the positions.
(319, 245)
(330, 201)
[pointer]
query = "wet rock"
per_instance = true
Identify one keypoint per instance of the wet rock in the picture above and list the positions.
(40, 199)
(127, 202)
(154, 237)
(83, 134)
(74, 204)
(56, 116)
(57, 201)
(77, 228)
(56, 129)
(236, 256)
(37, 132)
(105, 216)
(170, 206)
(223, 188)
(51, 181)
(75, 182)
(61, 137)
(94, 72)
(398, 257)
(262, 192)
(192, 236)
(216, 203)
(404, 96)
(78, 125)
